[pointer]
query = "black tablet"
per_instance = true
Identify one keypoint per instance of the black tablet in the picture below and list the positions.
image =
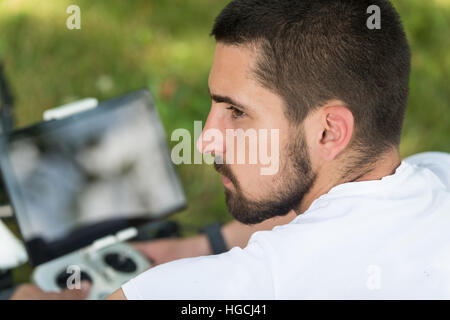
(77, 179)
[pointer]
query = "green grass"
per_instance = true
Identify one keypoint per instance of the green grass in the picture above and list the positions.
(427, 121)
(164, 45)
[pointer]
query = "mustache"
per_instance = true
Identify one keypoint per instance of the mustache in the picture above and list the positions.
(225, 171)
(221, 168)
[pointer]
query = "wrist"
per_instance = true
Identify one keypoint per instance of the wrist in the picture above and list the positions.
(198, 245)
(216, 240)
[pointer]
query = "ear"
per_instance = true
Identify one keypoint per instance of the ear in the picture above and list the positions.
(332, 128)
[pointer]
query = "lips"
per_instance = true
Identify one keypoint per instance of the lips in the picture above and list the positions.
(225, 180)
(224, 171)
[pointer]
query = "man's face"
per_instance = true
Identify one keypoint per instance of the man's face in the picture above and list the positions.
(239, 102)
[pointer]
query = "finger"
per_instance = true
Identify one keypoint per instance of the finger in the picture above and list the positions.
(147, 250)
(77, 294)
(143, 246)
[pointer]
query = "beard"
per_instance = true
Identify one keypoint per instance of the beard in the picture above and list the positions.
(287, 190)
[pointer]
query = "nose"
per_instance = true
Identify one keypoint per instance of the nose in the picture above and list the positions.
(211, 140)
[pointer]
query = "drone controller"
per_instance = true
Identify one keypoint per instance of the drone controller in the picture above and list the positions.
(105, 268)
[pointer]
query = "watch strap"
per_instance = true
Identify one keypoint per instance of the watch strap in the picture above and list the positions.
(217, 243)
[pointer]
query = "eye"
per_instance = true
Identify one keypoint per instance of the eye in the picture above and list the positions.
(235, 112)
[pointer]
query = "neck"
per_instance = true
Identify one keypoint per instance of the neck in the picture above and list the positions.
(386, 166)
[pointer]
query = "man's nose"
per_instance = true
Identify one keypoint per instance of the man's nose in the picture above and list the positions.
(211, 140)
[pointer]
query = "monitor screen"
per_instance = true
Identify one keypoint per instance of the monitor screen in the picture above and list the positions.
(74, 180)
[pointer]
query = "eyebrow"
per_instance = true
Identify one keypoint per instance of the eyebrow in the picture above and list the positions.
(225, 99)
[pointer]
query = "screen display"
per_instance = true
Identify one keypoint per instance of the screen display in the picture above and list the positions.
(74, 180)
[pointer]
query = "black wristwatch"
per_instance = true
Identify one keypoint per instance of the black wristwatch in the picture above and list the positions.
(7, 293)
(216, 241)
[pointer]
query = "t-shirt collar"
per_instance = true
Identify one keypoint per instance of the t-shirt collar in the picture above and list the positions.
(364, 187)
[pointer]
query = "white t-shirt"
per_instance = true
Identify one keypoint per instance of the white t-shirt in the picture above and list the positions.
(378, 239)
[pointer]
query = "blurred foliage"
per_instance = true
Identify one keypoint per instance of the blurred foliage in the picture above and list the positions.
(427, 121)
(165, 46)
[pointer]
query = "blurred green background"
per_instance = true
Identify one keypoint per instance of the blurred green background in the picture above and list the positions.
(165, 45)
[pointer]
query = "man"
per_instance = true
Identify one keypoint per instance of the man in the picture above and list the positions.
(367, 224)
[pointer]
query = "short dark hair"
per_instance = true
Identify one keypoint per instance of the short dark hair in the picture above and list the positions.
(312, 51)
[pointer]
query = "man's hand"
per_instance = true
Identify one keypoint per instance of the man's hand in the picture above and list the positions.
(32, 292)
(235, 234)
(117, 295)
(165, 250)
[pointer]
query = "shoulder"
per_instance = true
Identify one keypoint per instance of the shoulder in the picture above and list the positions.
(437, 162)
(236, 274)
(432, 157)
